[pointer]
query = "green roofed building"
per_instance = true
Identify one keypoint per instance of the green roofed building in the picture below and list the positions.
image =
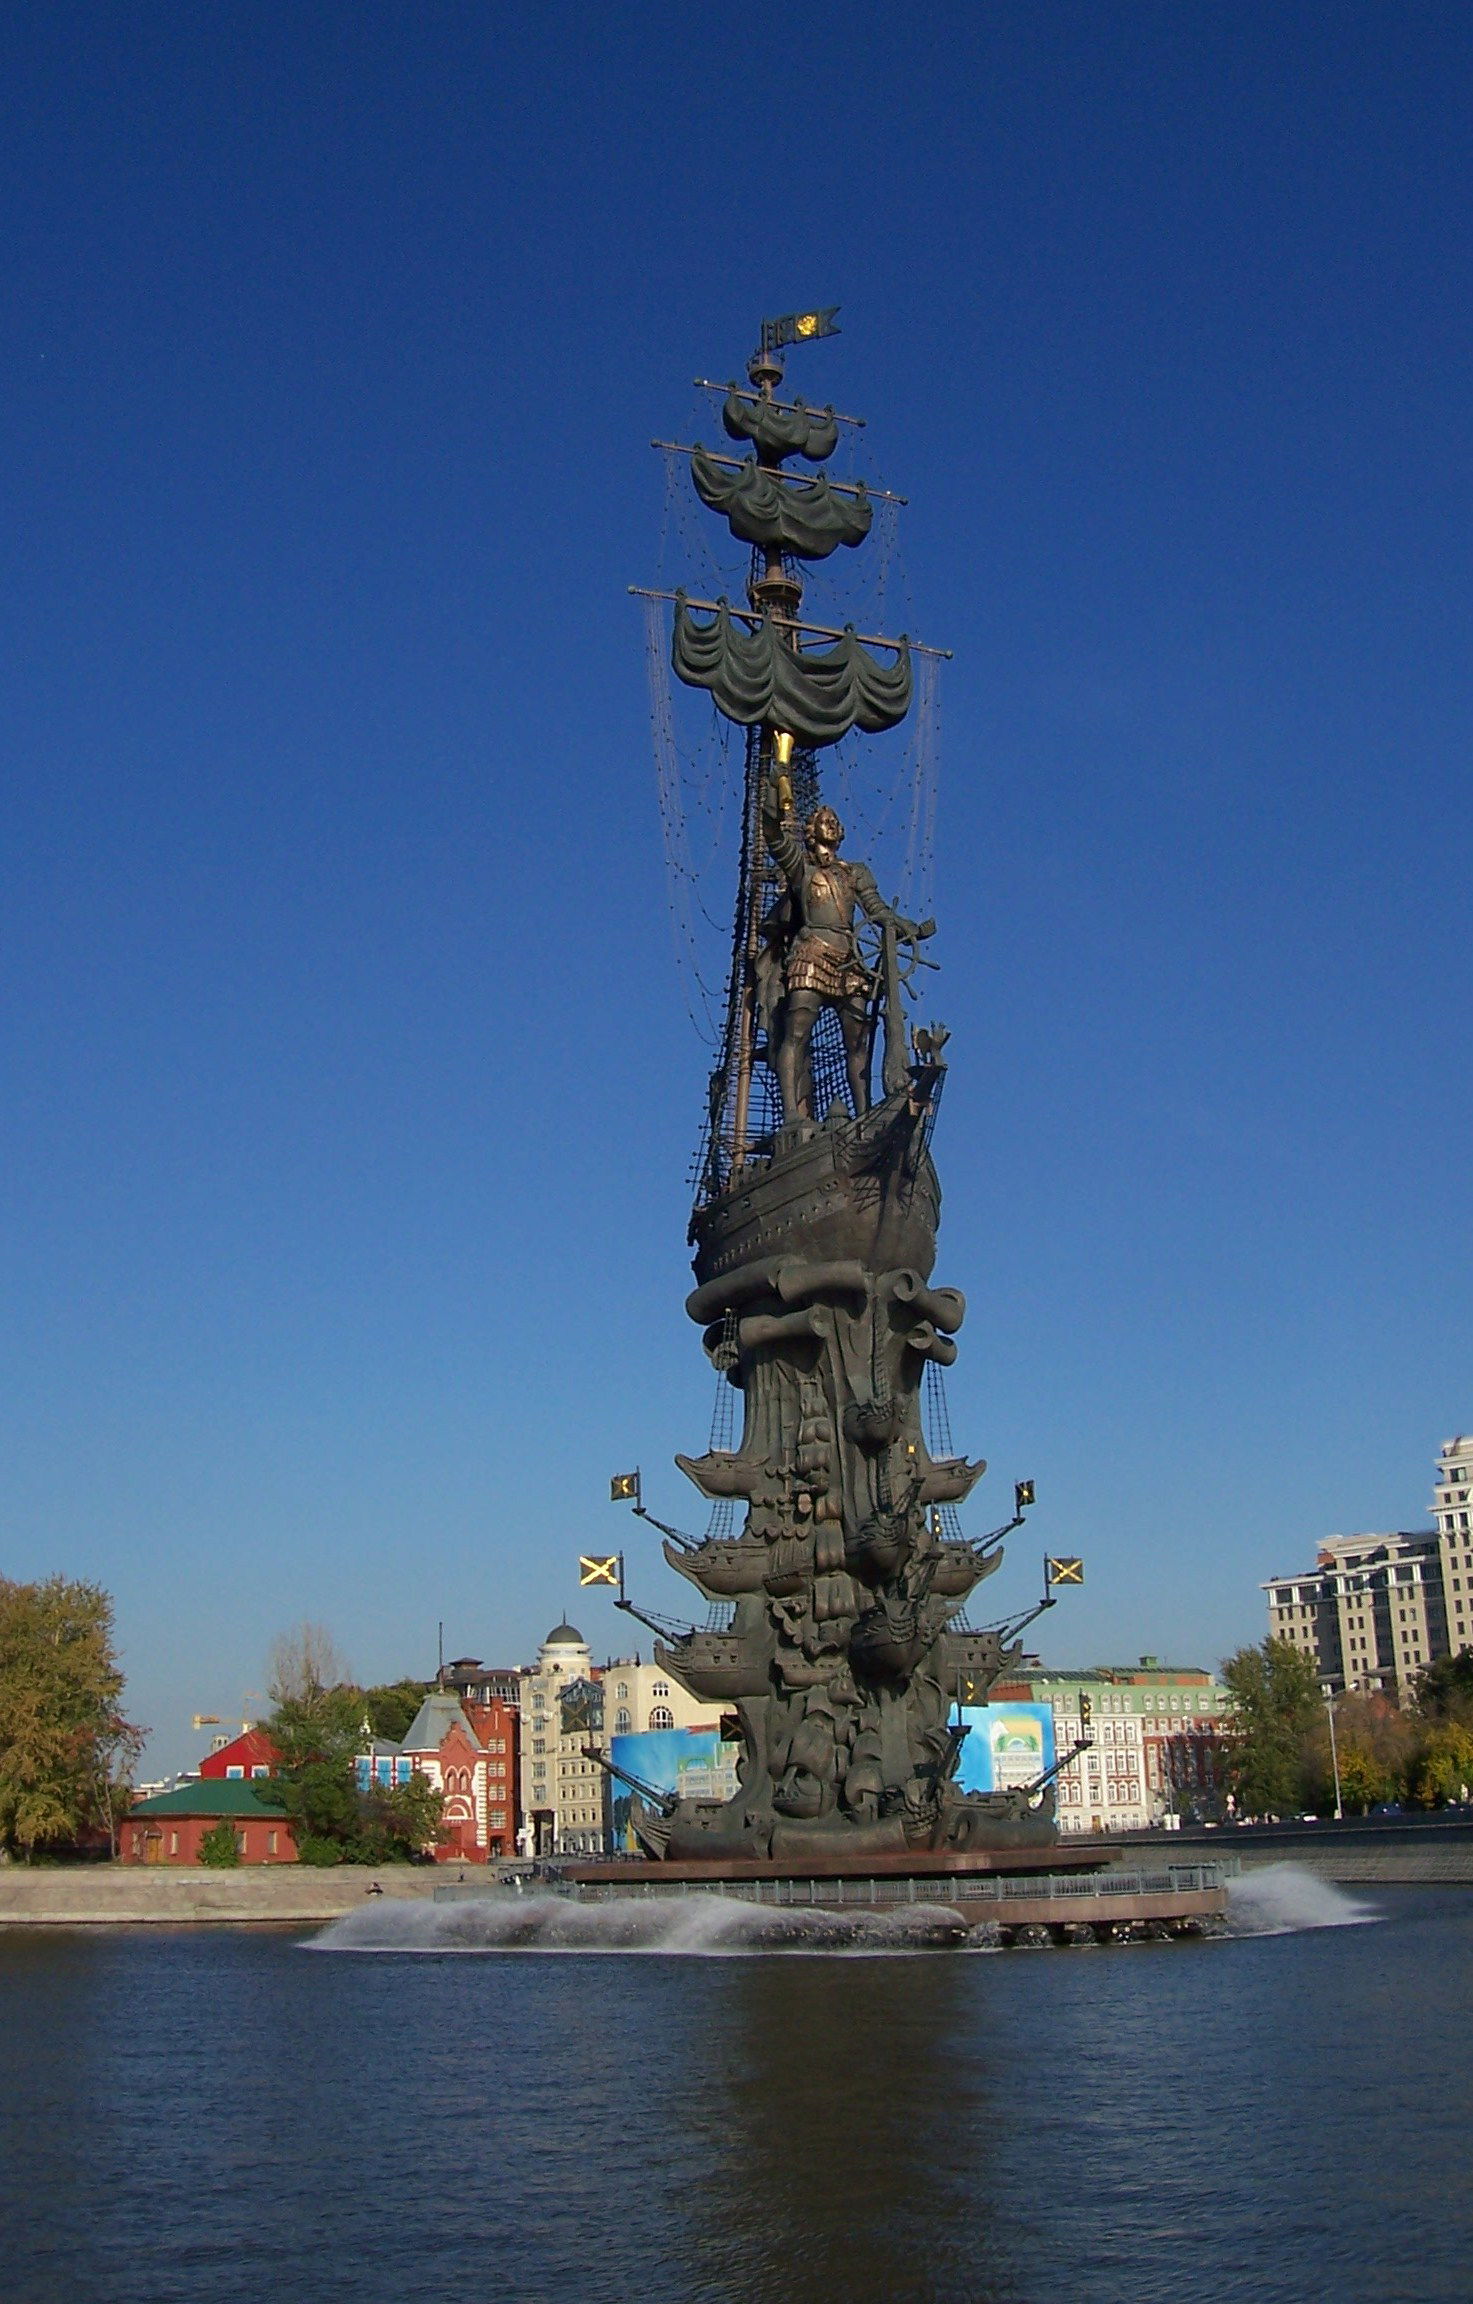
(168, 1827)
(1156, 1750)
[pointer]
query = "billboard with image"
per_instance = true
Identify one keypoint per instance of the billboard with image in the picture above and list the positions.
(691, 1762)
(1009, 1746)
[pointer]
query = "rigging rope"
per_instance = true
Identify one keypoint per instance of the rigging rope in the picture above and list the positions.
(679, 873)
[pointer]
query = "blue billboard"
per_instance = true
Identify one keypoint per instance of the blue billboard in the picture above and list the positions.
(691, 1762)
(1009, 1747)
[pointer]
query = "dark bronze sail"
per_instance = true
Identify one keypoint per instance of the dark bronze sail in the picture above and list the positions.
(781, 430)
(760, 506)
(817, 694)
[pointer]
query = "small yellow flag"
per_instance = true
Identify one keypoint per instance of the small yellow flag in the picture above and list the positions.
(603, 1570)
(1023, 1495)
(624, 1488)
(1064, 1571)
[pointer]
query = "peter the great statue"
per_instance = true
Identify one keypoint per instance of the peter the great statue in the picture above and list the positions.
(836, 1636)
(810, 954)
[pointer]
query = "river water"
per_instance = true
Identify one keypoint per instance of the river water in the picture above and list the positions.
(226, 2116)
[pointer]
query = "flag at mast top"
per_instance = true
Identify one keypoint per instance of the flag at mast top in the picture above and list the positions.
(797, 328)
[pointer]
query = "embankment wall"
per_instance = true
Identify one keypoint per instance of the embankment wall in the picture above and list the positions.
(83, 1895)
(1411, 1852)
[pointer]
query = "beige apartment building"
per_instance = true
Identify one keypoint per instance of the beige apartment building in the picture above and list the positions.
(1376, 1610)
(564, 1795)
(640, 1697)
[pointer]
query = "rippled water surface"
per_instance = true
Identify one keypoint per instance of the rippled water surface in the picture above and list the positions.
(215, 2115)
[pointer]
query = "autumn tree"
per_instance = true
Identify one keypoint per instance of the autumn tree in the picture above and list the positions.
(1276, 1703)
(1443, 1768)
(67, 1753)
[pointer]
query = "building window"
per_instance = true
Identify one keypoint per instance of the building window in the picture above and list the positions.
(260, 1769)
(621, 1723)
(173, 1843)
(235, 1771)
(240, 1843)
(271, 1843)
(661, 1716)
(660, 1688)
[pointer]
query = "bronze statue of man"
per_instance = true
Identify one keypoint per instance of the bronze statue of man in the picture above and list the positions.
(814, 959)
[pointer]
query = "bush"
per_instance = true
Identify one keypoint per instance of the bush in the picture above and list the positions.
(218, 1845)
(312, 1848)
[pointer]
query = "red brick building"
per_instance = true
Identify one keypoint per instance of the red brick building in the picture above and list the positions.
(252, 1753)
(468, 1750)
(169, 1828)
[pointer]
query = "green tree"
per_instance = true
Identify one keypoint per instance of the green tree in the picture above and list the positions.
(66, 1751)
(400, 1823)
(1276, 1700)
(318, 1727)
(390, 1709)
(1365, 1779)
(217, 1847)
(1445, 1690)
(1443, 1768)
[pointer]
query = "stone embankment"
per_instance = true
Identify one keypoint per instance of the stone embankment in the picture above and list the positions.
(1395, 1851)
(85, 1895)
(1410, 1851)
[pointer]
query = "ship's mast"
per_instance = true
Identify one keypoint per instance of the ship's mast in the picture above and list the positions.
(753, 663)
(774, 584)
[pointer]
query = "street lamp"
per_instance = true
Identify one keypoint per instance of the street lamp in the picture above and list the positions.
(1329, 1696)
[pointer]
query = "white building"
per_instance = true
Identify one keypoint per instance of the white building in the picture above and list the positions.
(1155, 1750)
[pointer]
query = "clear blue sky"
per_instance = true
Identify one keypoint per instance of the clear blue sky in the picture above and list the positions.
(349, 1088)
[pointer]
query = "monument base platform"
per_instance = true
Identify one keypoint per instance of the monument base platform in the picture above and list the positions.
(1080, 1895)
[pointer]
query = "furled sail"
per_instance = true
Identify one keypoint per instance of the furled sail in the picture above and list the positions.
(818, 695)
(806, 518)
(773, 431)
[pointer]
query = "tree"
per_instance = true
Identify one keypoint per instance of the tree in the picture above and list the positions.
(66, 1751)
(303, 1664)
(218, 1846)
(1445, 1690)
(390, 1708)
(1276, 1702)
(318, 1727)
(1443, 1768)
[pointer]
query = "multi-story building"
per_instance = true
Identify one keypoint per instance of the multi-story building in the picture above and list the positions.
(468, 1751)
(564, 1793)
(1156, 1749)
(1376, 1610)
(1451, 1510)
(640, 1697)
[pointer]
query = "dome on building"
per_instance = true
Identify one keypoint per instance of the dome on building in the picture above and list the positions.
(564, 1635)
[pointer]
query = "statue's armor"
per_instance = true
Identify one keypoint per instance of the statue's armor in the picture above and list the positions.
(823, 956)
